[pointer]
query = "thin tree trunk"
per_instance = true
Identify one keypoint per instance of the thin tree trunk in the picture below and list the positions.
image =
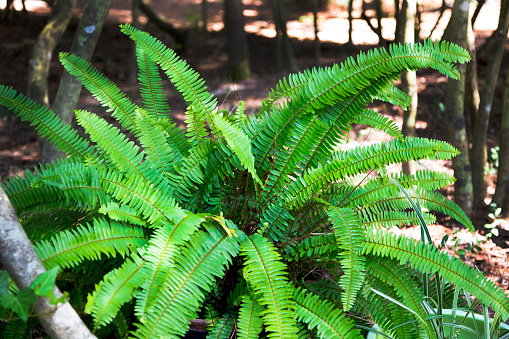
(479, 155)
(283, 43)
(237, 46)
(409, 78)
(42, 51)
(472, 89)
(503, 153)
(456, 131)
(350, 22)
(480, 3)
(83, 45)
(317, 39)
(278, 48)
(23, 265)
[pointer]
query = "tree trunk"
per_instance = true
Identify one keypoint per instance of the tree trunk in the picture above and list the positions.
(282, 35)
(83, 45)
(237, 46)
(350, 22)
(204, 16)
(483, 115)
(503, 153)
(23, 265)
(317, 40)
(42, 51)
(472, 89)
(409, 78)
(456, 131)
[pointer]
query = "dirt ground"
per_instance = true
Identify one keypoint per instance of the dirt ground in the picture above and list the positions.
(206, 52)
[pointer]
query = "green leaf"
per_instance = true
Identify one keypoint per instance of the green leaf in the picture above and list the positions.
(4, 282)
(20, 303)
(44, 286)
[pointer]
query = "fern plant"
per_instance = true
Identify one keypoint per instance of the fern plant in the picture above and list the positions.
(260, 224)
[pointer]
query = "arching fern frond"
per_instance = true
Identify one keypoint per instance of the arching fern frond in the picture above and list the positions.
(198, 264)
(322, 245)
(68, 248)
(427, 258)
(223, 328)
(105, 91)
(350, 236)
(378, 121)
(250, 318)
(116, 288)
(323, 315)
(151, 87)
(265, 271)
(47, 123)
(202, 104)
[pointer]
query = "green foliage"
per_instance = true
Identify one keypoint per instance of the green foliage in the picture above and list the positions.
(268, 227)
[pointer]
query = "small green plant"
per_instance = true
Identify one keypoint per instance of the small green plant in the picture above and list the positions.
(495, 216)
(258, 223)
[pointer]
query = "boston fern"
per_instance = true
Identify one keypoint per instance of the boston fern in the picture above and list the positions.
(261, 224)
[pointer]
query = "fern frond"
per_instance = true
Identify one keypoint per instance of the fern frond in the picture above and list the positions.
(322, 245)
(47, 123)
(175, 138)
(151, 87)
(323, 315)
(160, 255)
(266, 273)
(140, 196)
(427, 258)
(361, 159)
(199, 263)
(378, 121)
(122, 213)
(116, 288)
(68, 248)
(223, 328)
(14, 329)
(430, 200)
(395, 96)
(202, 104)
(250, 318)
(403, 284)
(389, 219)
(153, 140)
(350, 236)
(105, 91)
(327, 289)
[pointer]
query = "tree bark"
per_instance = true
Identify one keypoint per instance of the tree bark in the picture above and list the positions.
(283, 42)
(83, 45)
(456, 131)
(237, 46)
(409, 78)
(317, 39)
(472, 88)
(204, 16)
(133, 62)
(350, 22)
(483, 115)
(23, 265)
(503, 153)
(42, 51)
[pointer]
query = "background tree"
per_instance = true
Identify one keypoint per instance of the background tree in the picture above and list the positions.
(501, 196)
(23, 265)
(456, 131)
(283, 48)
(479, 154)
(237, 45)
(83, 45)
(406, 34)
(42, 51)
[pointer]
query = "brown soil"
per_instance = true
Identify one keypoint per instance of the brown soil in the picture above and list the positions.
(206, 52)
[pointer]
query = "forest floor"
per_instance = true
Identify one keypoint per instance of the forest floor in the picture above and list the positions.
(206, 52)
